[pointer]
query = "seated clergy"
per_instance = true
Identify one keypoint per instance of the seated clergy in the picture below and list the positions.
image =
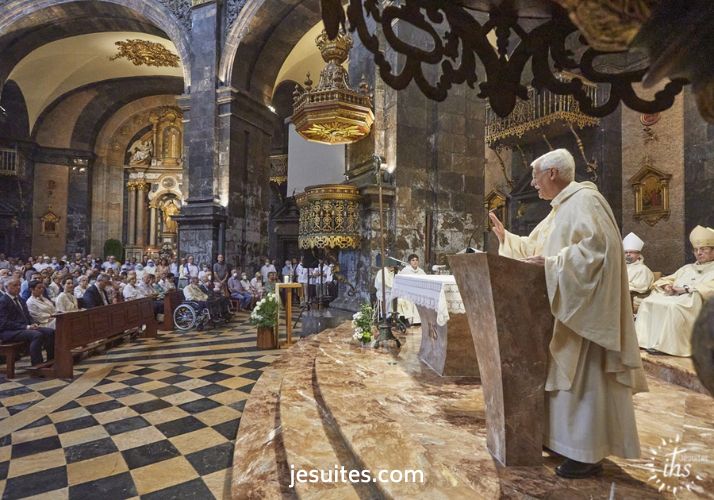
(405, 307)
(67, 301)
(42, 309)
(665, 318)
(639, 275)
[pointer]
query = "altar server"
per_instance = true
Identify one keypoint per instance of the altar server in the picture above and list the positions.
(405, 307)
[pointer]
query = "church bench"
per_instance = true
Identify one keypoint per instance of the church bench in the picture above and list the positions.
(172, 300)
(11, 351)
(84, 330)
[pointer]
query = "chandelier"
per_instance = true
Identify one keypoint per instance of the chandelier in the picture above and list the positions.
(539, 37)
(329, 216)
(332, 112)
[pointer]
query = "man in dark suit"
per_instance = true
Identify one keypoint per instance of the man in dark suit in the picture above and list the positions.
(16, 325)
(95, 295)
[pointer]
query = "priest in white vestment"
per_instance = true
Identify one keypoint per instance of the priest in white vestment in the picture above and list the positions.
(594, 364)
(638, 274)
(405, 307)
(389, 282)
(665, 319)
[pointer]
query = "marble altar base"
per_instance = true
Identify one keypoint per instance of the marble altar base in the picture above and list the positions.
(449, 349)
(329, 403)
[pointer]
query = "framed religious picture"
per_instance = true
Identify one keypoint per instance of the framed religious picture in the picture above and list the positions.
(49, 223)
(496, 201)
(651, 189)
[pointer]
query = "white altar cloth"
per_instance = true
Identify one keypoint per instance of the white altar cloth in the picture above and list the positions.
(437, 292)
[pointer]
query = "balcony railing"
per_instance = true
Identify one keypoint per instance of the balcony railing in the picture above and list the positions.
(8, 161)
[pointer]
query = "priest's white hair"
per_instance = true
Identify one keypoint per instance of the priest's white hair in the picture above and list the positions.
(560, 159)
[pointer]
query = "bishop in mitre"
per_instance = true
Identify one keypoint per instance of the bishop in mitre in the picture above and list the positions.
(665, 319)
(594, 364)
(639, 275)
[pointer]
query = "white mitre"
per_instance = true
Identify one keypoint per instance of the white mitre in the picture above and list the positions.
(632, 243)
(702, 237)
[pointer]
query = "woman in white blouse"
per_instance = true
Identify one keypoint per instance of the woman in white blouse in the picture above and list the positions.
(130, 292)
(66, 301)
(82, 284)
(41, 308)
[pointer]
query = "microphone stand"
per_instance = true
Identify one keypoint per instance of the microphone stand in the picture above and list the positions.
(385, 330)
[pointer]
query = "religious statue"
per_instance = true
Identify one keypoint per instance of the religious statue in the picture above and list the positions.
(141, 152)
(170, 210)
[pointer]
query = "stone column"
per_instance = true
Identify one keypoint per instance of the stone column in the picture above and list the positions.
(131, 214)
(202, 214)
(152, 226)
(141, 190)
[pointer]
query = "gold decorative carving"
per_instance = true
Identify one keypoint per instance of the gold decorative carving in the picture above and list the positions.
(609, 25)
(144, 52)
(49, 223)
(329, 216)
(170, 210)
(332, 112)
(651, 189)
(279, 169)
(497, 202)
(538, 114)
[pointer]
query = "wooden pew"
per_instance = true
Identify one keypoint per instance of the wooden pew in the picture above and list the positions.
(172, 300)
(12, 352)
(77, 329)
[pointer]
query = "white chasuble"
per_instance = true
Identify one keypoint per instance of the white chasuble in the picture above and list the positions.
(594, 365)
(405, 307)
(665, 322)
(639, 276)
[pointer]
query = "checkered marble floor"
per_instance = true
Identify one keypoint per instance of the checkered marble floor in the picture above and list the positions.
(159, 424)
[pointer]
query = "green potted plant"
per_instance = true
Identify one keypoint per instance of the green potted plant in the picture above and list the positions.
(265, 317)
(362, 325)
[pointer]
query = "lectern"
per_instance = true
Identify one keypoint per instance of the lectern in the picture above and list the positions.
(508, 311)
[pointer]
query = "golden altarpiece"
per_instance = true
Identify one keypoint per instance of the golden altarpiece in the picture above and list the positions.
(154, 160)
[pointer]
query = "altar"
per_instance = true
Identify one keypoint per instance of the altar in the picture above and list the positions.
(447, 346)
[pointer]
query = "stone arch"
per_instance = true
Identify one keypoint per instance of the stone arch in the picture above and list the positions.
(107, 173)
(19, 15)
(264, 34)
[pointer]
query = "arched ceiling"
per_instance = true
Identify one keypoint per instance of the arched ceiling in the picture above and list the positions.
(64, 65)
(303, 58)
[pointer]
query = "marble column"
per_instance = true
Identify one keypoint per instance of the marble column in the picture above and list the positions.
(201, 215)
(141, 214)
(152, 226)
(131, 223)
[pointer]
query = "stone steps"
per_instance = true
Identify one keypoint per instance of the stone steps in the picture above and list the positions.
(673, 370)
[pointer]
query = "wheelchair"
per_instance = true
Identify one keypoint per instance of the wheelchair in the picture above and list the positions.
(190, 315)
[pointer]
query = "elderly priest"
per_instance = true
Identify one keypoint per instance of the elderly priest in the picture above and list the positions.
(594, 365)
(665, 319)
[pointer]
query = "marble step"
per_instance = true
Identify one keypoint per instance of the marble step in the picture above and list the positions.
(258, 447)
(370, 401)
(673, 370)
(309, 439)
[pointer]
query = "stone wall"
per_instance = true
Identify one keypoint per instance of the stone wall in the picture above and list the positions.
(50, 186)
(698, 170)
(665, 241)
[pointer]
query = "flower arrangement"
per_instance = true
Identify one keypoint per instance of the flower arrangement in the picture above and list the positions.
(362, 324)
(265, 313)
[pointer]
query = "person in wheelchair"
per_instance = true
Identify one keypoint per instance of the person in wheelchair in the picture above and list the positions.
(193, 293)
(214, 297)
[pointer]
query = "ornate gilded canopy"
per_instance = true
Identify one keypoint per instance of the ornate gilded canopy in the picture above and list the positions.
(332, 112)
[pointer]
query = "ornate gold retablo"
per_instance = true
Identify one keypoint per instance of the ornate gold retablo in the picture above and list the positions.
(329, 216)
(332, 112)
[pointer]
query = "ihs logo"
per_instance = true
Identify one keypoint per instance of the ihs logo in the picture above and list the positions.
(671, 471)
